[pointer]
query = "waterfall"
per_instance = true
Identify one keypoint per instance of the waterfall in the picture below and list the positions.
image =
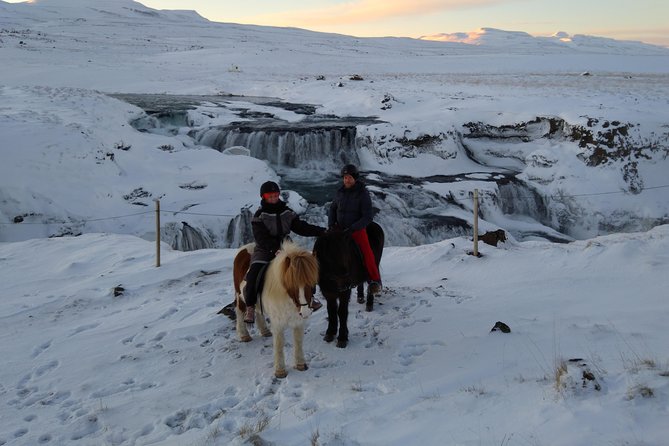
(516, 198)
(186, 237)
(308, 151)
(191, 239)
(309, 148)
(239, 230)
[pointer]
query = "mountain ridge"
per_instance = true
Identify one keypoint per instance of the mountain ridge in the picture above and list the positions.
(49, 12)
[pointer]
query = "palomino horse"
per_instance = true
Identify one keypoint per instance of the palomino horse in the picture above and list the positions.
(341, 269)
(286, 298)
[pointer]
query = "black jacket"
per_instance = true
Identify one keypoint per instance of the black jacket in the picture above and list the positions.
(351, 208)
(271, 224)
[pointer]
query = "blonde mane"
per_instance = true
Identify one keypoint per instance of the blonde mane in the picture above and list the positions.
(292, 269)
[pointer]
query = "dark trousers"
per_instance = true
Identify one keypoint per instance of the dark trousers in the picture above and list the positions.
(251, 291)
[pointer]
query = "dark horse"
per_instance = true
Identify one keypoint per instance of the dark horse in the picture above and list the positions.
(342, 269)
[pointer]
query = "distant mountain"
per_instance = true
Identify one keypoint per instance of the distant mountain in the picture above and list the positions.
(54, 12)
(560, 42)
(46, 10)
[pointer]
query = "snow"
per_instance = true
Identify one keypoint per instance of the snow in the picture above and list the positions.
(157, 365)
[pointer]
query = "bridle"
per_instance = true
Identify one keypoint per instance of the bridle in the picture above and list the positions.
(308, 296)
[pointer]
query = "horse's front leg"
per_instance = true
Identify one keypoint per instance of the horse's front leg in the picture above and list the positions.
(279, 360)
(342, 314)
(298, 337)
(331, 331)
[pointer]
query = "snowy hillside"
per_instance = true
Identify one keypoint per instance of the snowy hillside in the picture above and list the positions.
(508, 105)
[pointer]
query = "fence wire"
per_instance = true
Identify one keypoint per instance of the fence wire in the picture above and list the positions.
(202, 214)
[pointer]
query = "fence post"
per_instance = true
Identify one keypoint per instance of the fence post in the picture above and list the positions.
(476, 222)
(157, 233)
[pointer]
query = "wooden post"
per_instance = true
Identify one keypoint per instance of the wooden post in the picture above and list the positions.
(476, 222)
(157, 233)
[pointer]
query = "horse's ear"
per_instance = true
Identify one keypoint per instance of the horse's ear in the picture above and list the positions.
(286, 263)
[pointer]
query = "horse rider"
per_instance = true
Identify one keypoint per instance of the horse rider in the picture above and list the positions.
(271, 224)
(351, 211)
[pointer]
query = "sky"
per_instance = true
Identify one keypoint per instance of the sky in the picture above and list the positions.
(643, 20)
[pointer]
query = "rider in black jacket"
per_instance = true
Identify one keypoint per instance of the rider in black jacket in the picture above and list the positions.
(351, 211)
(271, 224)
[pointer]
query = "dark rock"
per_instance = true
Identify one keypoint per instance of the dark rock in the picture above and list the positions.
(493, 237)
(501, 326)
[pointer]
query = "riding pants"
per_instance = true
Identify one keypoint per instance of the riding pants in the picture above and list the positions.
(251, 288)
(361, 239)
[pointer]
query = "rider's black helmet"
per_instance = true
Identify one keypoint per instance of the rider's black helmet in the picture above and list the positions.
(350, 169)
(269, 186)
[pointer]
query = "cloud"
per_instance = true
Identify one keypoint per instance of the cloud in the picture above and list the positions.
(360, 11)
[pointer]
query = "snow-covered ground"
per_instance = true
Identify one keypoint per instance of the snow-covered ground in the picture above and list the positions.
(157, 365)
(586, 360)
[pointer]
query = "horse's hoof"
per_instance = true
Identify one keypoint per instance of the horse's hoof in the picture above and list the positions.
(246, 338)
(266, 334)
(302, 367)
(328, 337)
(280, 373)
(369, 307)
(361, 299)
(342, 343)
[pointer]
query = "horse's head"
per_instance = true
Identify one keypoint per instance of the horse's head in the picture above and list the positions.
(336, 258)
(299, 272)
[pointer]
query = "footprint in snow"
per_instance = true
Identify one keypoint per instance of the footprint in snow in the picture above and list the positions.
(40, 371)
(38, 350)
(83, 328)
(171, 311)
(407, 354)
(159, 337)
(85, 426)
(20, 432)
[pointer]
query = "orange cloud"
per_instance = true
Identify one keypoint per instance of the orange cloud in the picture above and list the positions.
(359, 11)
